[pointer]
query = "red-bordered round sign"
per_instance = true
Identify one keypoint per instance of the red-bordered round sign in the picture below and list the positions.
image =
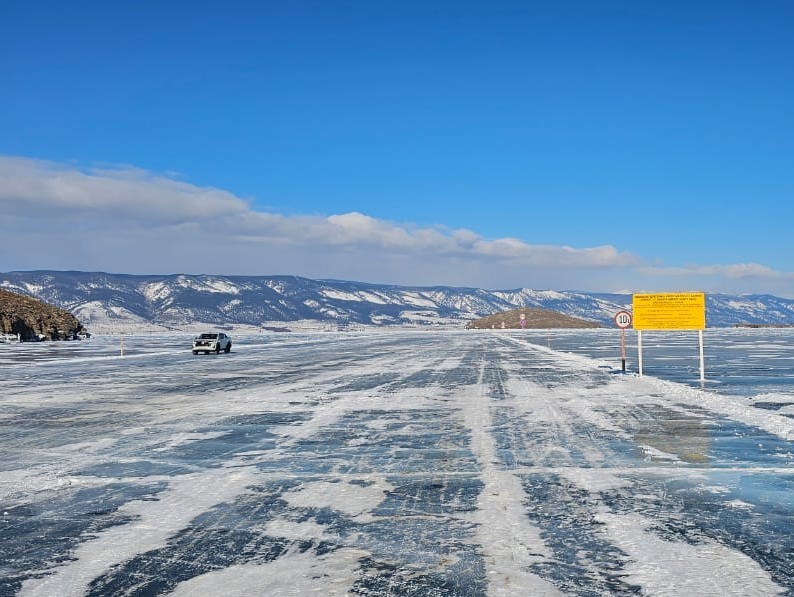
(623, 319)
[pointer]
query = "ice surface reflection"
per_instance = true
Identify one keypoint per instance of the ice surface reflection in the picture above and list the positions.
(738, 361)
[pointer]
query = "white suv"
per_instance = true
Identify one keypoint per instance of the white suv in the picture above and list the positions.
(212, 342)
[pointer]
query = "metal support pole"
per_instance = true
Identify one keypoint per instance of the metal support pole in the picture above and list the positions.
(623, 349)
(639, 350)
(702, 360)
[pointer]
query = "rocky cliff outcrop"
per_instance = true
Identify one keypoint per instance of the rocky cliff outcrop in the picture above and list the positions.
(35, 320)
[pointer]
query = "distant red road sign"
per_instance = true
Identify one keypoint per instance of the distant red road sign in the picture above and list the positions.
(623, 319)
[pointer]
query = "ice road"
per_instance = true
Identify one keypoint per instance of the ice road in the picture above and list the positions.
(424, 463)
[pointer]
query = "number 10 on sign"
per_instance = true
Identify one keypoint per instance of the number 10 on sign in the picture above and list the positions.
(623, 319)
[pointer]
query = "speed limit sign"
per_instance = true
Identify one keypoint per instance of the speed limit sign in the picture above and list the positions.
(623, 319)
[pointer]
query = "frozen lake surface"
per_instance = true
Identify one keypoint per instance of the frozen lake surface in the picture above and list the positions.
(400, 463)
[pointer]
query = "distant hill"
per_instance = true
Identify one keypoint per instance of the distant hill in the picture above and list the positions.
(120, 302)
(33, 319)
(534, 318)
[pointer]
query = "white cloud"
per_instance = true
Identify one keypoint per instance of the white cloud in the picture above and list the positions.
(44, 188)
(733, 271)
(737, 278)
(54, 216)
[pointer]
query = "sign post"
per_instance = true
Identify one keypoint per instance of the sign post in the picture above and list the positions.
(670, 311)
(623, 320)
(702, 361)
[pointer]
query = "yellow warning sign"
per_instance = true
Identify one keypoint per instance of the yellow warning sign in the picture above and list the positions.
(670, 311)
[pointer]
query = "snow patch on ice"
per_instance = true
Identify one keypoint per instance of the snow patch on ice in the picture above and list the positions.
(511, 544)
(677, 568)
(735, 408)
(353, 499)
(154, 522)
(652, 453)
(298, 574)
(592, 480)
(739, 505)
(308, 530)
(774, 397)
(179, 439)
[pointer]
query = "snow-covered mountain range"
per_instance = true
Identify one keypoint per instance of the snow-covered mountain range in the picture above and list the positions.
(115, 301)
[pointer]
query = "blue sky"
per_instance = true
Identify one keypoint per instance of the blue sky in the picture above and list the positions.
(583, 145)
